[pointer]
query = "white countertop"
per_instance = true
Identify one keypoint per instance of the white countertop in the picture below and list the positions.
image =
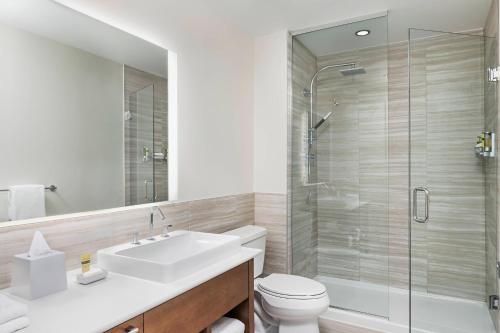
(103, 305)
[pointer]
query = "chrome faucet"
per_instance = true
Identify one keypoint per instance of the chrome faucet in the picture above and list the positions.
(135, 239)
(151, 221)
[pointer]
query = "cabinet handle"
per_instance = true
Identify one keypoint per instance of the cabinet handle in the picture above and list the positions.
(131, 329)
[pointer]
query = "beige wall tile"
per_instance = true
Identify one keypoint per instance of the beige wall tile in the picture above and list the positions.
(270, 213)
(442, 67)
(75, 236)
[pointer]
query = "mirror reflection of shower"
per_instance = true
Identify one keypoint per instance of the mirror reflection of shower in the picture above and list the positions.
(313, 127)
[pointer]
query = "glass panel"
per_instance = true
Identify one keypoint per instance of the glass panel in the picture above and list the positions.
(160, 140)
(453, 240)
(491, 173)
(146, 137)
(339, 209)
(144, 146)
(139, 133)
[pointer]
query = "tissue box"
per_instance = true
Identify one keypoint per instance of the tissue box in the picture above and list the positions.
(34, 277)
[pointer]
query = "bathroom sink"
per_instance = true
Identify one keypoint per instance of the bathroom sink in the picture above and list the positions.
(168, 259)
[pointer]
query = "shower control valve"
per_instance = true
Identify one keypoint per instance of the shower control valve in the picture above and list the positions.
(310, 157)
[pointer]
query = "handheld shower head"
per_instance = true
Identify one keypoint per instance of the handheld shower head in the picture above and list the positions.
(325, 118)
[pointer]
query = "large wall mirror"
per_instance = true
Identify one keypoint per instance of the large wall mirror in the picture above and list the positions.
(84, 114)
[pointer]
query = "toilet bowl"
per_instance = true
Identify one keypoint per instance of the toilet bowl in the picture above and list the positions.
(283, 303)
(294, 302)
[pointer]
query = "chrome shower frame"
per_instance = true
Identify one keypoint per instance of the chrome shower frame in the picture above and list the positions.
(312, 128)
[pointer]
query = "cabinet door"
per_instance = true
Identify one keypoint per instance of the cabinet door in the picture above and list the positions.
(135, 325)
(199, 307)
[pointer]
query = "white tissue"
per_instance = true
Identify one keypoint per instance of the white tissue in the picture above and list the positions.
(39, 246)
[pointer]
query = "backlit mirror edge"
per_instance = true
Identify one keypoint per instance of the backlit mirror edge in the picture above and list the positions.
(172, 155)
(172, 139)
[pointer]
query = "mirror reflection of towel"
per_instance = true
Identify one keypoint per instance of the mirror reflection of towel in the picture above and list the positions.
(26, 202)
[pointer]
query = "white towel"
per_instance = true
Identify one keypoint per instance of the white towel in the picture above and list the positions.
(15, 325)
(10, 309)
(228, 325)
(26, 201)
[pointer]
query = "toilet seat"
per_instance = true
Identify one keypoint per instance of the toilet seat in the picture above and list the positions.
(294, 309)
(278, 299)
(292, 299)
(291, 287)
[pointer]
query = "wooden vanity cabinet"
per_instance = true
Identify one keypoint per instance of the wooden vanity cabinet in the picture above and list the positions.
(134, 325)
(229, 294)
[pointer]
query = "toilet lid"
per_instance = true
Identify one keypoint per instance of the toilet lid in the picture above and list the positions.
(291, 285)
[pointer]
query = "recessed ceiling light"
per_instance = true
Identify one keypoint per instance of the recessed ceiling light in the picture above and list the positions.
(362, 33)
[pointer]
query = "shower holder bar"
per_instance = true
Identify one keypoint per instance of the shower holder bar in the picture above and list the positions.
(51, 188)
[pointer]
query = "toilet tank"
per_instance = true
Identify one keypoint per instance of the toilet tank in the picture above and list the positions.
(254, 237)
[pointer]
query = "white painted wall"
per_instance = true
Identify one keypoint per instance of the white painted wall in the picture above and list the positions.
(215, 89)
(60, 123)
(270, 113)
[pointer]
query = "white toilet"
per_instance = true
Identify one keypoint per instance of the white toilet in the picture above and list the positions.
(292, 303)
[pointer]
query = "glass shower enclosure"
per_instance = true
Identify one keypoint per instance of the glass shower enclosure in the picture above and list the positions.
(339, 176)
(393, 174)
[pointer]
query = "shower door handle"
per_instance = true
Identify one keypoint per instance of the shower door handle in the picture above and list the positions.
(146, 189)
(416, 218)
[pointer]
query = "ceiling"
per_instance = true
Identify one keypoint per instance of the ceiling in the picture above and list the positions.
(260, 17)
(343, 38)
(53, 21)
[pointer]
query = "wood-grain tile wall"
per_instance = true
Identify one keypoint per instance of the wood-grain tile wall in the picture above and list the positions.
(75, 236)
(448, 111)
(304, 219)
(352, 159)
(270, 213)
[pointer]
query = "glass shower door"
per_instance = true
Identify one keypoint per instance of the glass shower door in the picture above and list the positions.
(453, 168)
(139, 143)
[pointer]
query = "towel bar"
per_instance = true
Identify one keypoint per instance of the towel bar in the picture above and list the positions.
(52, 188)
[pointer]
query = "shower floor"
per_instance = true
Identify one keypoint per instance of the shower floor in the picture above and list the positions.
(389, 307)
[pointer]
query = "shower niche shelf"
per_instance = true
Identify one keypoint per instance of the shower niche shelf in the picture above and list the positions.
(486, 145)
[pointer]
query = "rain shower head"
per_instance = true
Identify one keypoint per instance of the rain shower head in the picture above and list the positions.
(353, 71)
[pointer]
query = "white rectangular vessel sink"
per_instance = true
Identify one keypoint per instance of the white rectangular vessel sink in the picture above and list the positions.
(168, 259)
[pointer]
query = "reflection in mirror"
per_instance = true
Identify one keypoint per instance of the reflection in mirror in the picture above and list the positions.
(146, 166)
(84, 108)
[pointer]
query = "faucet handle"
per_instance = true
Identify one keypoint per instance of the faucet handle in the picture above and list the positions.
(135, 238)
(164, 232)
